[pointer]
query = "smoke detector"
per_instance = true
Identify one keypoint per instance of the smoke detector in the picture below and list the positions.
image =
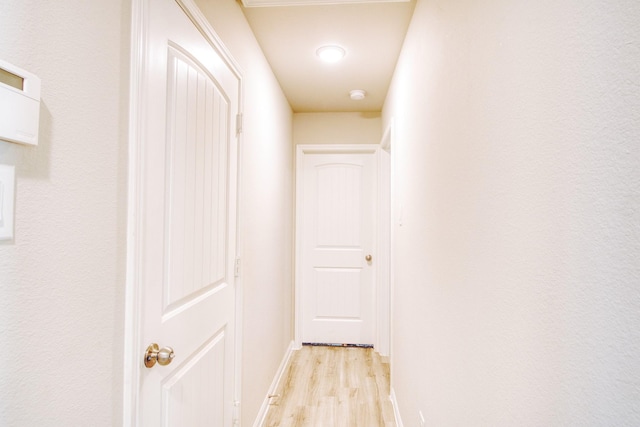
(357, 94)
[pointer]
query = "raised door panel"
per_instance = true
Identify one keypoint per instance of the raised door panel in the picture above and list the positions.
(196, 182)
(338, 204)
(194, 393)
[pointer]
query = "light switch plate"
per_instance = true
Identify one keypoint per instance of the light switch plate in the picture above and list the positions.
(7, 197)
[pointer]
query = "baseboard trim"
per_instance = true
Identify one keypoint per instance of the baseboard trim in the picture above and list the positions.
(262, 413)
(396, 410)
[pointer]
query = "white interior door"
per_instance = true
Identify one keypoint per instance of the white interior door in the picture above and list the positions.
(336, 225)
(188, 161)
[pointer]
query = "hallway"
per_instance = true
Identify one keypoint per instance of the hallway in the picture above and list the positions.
(333, 386)
(515, 214)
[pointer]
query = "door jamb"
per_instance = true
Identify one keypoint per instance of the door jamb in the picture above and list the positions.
(385, 246)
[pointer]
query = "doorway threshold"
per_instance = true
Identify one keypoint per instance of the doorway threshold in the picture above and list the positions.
(323, 344)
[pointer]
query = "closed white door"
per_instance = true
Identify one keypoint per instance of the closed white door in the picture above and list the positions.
(336, 221)
(187, 223)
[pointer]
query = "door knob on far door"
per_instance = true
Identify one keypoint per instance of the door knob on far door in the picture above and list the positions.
(163, 356)
(368, 258)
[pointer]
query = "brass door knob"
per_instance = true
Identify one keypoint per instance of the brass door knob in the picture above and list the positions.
(163, 356)
(368, 258)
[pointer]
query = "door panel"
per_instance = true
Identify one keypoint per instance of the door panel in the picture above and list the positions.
(188, 187)
(337, 293)
(338, 205)
(194, 394)
(337, 225)
(196, 208)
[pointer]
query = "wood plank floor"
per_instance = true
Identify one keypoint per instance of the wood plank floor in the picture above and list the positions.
(333, 387)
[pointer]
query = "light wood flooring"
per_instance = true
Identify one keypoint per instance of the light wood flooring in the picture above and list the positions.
(333, 387)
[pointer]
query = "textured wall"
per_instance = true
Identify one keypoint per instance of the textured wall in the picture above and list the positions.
(62, 279)
(337, 128)
(266, 208)
(517, 298)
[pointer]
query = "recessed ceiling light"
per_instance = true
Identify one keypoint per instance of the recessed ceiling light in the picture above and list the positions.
(331, 53)
(357, 94)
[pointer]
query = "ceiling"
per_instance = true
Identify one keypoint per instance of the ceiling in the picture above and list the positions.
(371, 32)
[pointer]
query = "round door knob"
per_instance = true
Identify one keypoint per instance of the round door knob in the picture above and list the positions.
(163, 356)
(368, 258)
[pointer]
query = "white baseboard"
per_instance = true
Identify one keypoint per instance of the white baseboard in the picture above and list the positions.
(396, 411)
(262, 413)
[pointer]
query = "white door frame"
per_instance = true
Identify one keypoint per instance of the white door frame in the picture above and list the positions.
(137, 108)
(388, 144)
(385, 249)
(381, 307)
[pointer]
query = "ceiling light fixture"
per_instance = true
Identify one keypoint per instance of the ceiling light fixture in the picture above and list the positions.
(331, 53)
(357, 94)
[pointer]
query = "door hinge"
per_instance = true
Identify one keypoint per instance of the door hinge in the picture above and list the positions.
(238, 123)
(236, 270)
(236, 412)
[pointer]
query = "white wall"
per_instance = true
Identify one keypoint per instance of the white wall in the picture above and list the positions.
(266, 223)
(517, 295)
(337, 128)
(62, 279)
